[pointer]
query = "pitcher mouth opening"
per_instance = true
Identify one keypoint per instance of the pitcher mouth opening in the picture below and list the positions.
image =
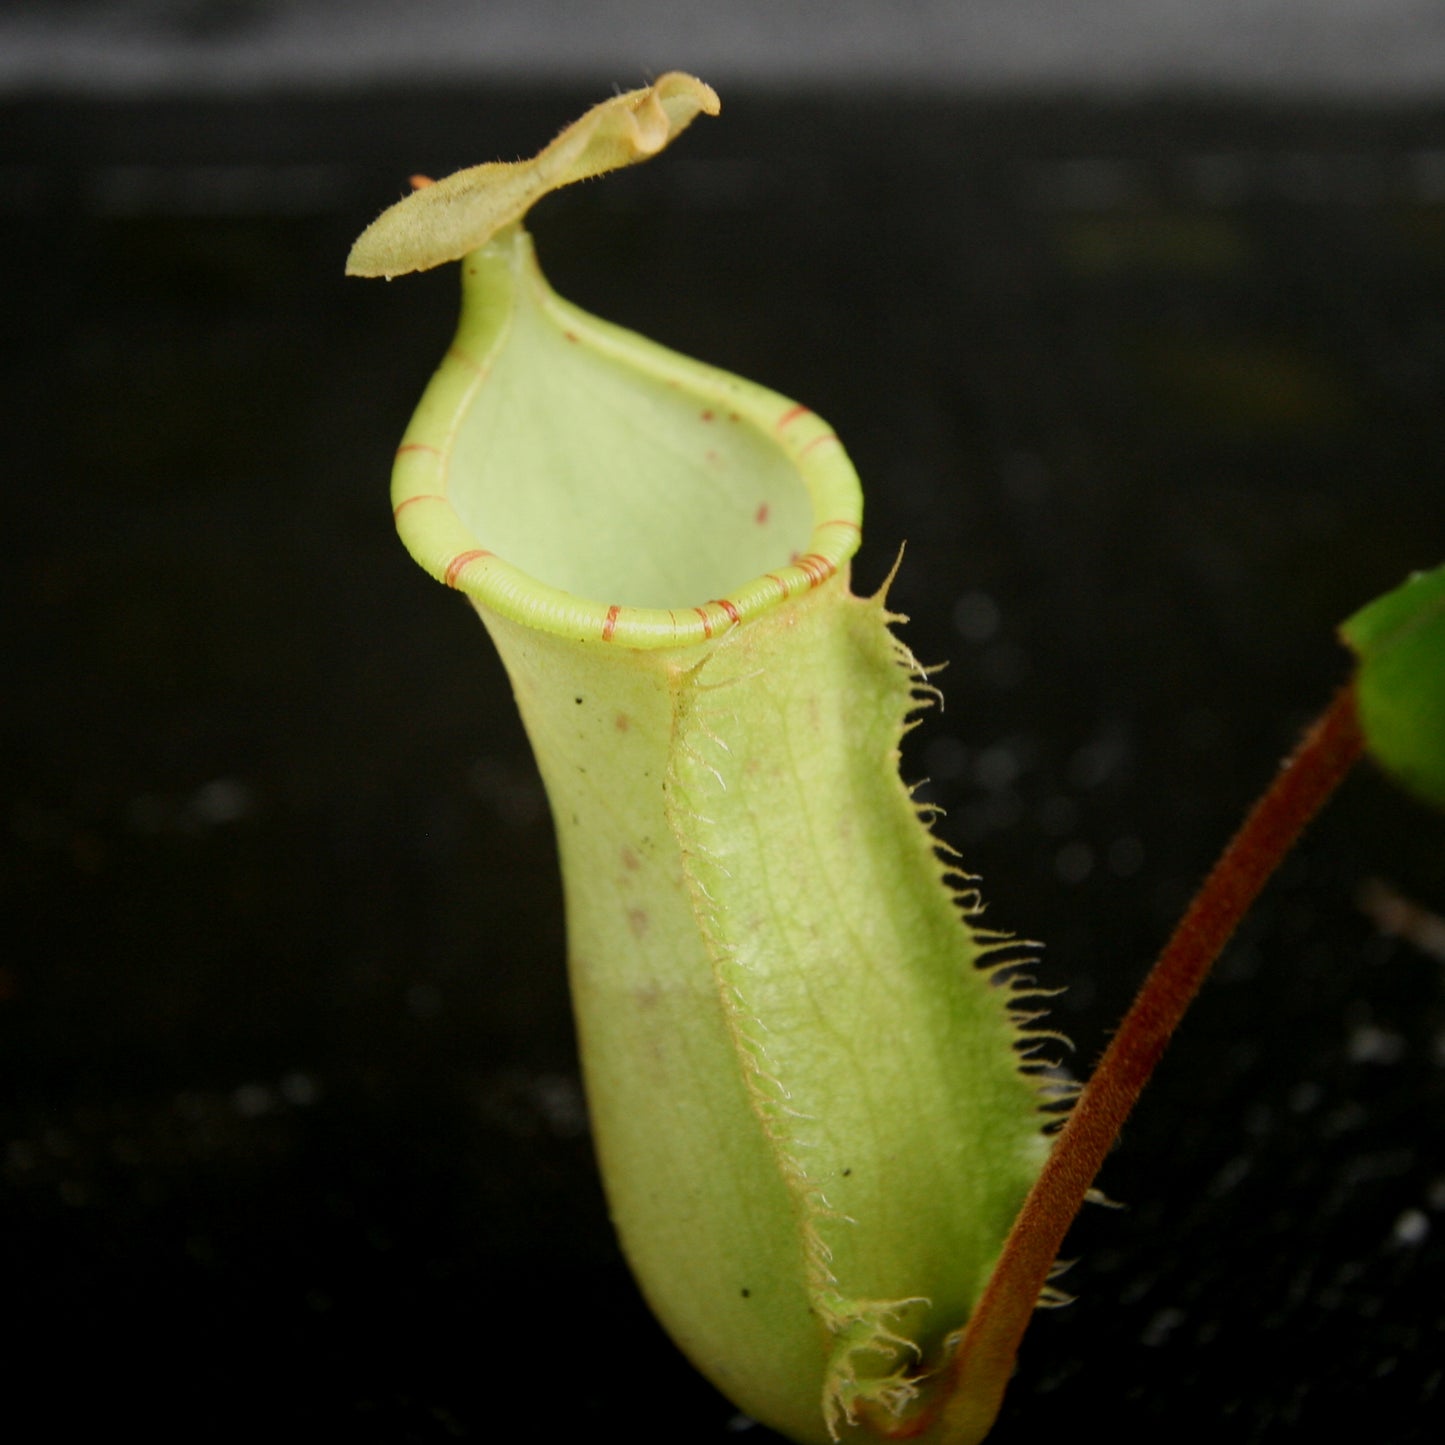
(579, 479)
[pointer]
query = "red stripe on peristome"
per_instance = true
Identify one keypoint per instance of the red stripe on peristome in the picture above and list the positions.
(843, 522)
(459, 562)
(790, 416)
(400, 507)
(418, 447)
(610, 625)
(706, 621)
(773, 577)
(827, 436)
(730, 609)
(818, 568)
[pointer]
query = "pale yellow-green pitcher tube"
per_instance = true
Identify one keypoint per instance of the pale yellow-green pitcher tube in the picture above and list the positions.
(806, 1086)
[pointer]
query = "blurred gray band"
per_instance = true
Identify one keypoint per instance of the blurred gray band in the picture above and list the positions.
(1374, 49)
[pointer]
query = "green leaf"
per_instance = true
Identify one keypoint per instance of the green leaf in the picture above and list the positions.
(1400, 685)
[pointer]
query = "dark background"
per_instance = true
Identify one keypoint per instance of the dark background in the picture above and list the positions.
(1151, 387)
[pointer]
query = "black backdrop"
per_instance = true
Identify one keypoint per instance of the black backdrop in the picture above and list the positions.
(293, 1135)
